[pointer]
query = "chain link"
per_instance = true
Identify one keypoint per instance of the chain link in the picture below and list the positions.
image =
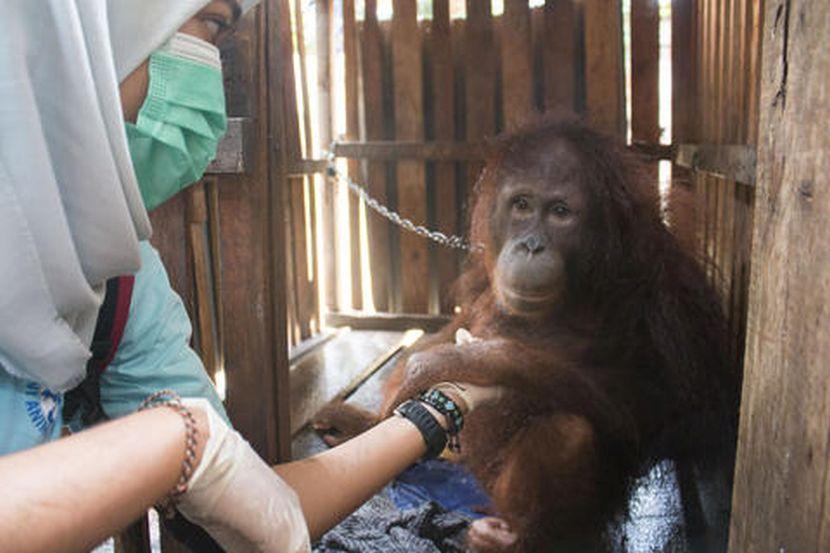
(449, 241)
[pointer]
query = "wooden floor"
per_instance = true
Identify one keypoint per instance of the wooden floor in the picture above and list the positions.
(325, 372)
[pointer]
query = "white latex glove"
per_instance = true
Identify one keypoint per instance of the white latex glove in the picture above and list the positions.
(238, 499)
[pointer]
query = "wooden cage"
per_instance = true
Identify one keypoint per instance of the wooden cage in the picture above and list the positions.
(261, 249)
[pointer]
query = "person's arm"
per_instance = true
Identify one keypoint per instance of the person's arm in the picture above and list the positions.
(73, 493)
(334, 483)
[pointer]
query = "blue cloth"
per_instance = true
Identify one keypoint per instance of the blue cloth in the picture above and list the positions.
(448, 484)
(154, 354)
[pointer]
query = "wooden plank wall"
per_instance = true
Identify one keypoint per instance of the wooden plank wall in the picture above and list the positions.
(782, 493)
(723, 38)
(460, 79)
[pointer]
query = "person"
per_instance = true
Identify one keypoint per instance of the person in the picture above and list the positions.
(91, 247)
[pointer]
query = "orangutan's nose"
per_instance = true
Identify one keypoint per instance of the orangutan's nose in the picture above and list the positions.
(533, 244)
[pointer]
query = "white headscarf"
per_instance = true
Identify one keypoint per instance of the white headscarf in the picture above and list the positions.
(71, 214)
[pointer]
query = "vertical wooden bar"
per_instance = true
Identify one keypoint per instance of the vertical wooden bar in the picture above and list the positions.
(604, 83)
(373, 99)
(197, 240)
(559, 55)
(645, 61)
(645, 77)
(352, 131)
(409, 125)
(516, 63)
(682, 209)
(328, 280)
(443, 114)
(304, 292)
(479, 79)
(782, 494)
(307, 185)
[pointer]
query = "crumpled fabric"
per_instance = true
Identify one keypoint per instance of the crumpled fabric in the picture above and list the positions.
(380, 527)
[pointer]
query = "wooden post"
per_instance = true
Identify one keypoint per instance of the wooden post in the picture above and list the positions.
(559, 55)
(645, 76)
(409, 125)
(516, 63)
(443, 113)
(352, 129)
(604, 86)
(373, 109)
(782, 493)
(479, 79)
(328, 280)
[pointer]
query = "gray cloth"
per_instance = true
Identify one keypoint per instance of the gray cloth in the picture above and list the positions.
(379, 526)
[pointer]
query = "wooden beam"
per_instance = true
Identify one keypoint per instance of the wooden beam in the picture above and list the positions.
(730, 161)
(516, 64)
(398, 150)
(388, 321)
(781, 498)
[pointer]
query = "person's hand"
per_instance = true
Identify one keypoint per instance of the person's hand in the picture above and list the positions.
(237, 498)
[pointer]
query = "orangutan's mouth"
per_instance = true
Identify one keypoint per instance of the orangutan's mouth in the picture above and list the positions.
(524, 298)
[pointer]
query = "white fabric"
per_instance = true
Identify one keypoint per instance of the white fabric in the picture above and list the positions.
(140, 27)
(70, 211)
(238, 499)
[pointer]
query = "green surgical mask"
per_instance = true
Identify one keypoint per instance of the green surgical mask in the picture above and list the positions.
(182, 119)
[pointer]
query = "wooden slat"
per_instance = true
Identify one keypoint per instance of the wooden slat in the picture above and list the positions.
(308, 181)
(409, 125)
(328, 258)
(645, 60)
(352, 129)
(516, 64)
(440, 150)
(559, 55)
(378, 228)
(682, 208)
(388, 321)
(782, 493)
(479, 78)
(304, 293)
(645, 64)
(212, 192)
(198, 245)
(443, 125)
(604, 66)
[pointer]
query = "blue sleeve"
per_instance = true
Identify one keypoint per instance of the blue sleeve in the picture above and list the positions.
(155, 352)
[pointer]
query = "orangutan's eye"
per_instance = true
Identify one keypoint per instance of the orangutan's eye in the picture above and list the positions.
(520, 203)
(560, 209)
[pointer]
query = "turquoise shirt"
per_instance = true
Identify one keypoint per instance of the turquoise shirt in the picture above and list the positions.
(154, 354)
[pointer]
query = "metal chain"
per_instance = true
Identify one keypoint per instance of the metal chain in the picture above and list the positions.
(449, 241)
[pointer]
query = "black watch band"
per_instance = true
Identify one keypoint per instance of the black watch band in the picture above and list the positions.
(434, 436)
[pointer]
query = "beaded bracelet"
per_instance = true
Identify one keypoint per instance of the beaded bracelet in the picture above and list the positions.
(451, 410)
(169, 398)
